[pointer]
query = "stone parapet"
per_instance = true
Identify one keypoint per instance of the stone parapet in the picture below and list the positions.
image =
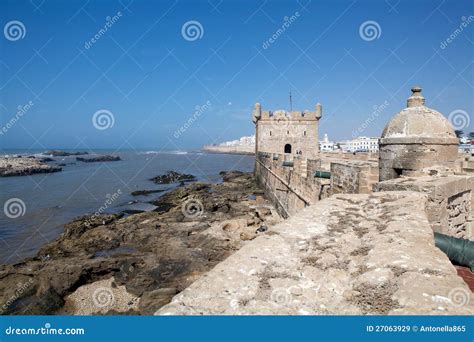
(346, 255)
(353, 177)
(450, 201)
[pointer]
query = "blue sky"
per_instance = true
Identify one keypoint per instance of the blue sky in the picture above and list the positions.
(150, 79)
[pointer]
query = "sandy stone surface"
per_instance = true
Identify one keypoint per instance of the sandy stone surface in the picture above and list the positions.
(345, 255)
(99, 298)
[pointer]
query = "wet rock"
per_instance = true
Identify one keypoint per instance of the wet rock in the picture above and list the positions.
(145, 192)
(98, 159)
(24, 166)
(59, 153)
(172, 177)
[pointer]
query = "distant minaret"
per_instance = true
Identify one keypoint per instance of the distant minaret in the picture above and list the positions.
(326, 139)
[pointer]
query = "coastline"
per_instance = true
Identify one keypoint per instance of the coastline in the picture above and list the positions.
(244, 150)
(142, 260)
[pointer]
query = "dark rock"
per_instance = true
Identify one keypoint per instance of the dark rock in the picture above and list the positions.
(231, 176)
(172, 177)
(98, 159)
(150, 300)
(59, 153)
(145, 192)
(138, 208)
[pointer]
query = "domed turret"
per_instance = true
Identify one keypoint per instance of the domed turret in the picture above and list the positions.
(416, 138)
(419, 121)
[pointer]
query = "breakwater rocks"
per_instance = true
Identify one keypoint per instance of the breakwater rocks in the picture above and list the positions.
(24, 166)
(135, 264)
(106, 158)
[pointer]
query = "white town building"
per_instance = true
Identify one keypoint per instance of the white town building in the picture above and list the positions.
(360, 144)
(325, 145)
(244, 141)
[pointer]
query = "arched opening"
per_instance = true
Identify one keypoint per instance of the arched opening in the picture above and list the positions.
(287, 148)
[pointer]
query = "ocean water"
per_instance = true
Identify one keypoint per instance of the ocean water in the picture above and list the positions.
(53, 199)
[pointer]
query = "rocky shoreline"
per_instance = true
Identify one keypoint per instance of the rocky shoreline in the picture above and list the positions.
(118, 264)
(25, 166)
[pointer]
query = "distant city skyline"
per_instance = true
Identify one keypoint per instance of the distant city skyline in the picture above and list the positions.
(179, 75)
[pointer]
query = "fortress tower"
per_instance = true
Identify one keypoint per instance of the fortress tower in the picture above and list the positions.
(293, 133)
(418, 137)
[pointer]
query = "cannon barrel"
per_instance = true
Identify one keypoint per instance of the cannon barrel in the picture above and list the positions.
(459, 251)
(322, 174)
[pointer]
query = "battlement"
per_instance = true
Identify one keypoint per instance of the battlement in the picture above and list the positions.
(289, 116)
(283, 115)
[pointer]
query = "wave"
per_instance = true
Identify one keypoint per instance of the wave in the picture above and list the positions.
(164, 152)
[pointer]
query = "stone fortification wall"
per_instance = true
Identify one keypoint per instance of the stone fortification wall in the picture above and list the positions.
(289, 181)
(353, 177)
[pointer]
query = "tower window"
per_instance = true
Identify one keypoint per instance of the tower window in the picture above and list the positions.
(270, 133)
(287, 132)
(304, 133)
